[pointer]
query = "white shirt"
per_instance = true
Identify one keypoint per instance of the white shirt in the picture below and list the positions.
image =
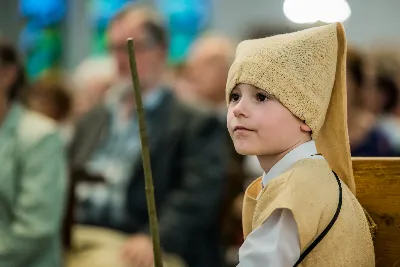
(276, 243)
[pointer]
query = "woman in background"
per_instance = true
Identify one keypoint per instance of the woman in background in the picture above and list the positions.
(32, 176)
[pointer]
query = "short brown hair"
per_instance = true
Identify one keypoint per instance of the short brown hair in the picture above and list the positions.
(55, 91)
(152, 24)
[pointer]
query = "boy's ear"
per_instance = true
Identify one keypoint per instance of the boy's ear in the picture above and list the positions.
(305, 128)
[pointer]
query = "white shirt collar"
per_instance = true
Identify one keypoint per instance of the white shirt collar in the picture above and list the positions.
(303, 151)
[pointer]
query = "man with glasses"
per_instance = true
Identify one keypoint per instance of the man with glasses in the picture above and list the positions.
(187, 155)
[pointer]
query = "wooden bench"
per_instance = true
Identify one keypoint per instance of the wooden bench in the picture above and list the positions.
(378, 190)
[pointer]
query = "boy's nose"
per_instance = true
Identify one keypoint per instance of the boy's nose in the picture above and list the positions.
(239, 109)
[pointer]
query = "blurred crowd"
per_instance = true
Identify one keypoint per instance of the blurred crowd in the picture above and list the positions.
(72, 173)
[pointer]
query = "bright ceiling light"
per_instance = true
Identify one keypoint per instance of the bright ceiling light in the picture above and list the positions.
(334, 11)
(311, 11)
(300, 11)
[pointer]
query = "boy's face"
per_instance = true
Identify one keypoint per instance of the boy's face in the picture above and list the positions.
(260, 125)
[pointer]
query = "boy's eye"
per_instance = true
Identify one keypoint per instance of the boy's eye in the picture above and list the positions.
(234, 97)
(261, 97)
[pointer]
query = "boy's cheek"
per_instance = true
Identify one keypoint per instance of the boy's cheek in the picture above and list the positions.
(229, 123)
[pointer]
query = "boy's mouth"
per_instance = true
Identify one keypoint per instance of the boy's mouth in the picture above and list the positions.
(241, 128)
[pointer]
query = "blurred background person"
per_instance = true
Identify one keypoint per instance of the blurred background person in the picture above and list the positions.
(366, 138)
(91, 81)
(33, 175)
(52, 98)
(387, 86)
(188, 155)
(205, 72)
(389, 122)
(202, 83)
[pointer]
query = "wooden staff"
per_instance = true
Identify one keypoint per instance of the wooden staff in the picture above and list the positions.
(151, 206)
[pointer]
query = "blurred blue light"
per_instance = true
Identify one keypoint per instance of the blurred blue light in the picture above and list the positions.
(43, 12)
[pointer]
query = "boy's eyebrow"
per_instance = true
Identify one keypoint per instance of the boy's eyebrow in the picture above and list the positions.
(235, 88)
(265, 92)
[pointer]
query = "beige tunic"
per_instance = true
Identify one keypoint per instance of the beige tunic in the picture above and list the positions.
(309, 189)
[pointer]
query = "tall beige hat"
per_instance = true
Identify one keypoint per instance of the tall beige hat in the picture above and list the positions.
(306, 72)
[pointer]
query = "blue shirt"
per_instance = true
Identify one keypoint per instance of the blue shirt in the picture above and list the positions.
(105, 203)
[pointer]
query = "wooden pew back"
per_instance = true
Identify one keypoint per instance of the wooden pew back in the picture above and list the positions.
(378, 190)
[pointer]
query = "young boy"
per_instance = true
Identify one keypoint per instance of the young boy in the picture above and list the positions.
(286, 104)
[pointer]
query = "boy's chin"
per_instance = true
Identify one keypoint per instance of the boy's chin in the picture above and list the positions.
(246, 151)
